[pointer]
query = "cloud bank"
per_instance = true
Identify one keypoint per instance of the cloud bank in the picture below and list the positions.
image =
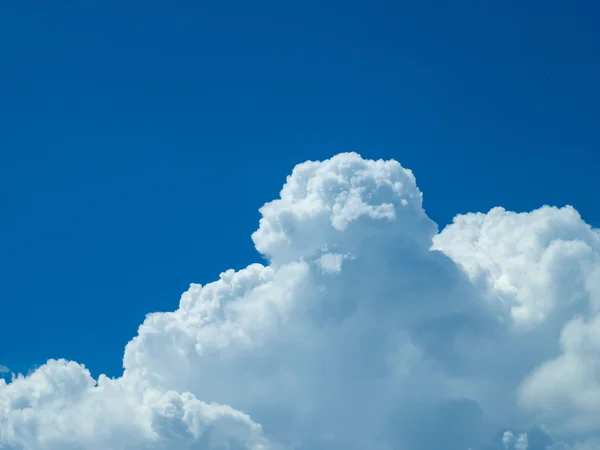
(367, 329)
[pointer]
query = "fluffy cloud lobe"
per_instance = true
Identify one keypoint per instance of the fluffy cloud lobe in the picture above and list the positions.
(366, 329)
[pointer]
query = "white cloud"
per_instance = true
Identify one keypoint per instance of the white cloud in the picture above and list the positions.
(522, 442)
(534, 263)
(331, 262)
(357, 334)
(4, 369)
(566, 390)
(508, 439)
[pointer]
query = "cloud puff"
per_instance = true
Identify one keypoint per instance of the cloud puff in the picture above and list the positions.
(60, 406)
(366, 329)
(536, 263)
(566, 389)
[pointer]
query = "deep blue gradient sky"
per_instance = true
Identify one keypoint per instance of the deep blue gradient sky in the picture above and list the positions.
(138, 139)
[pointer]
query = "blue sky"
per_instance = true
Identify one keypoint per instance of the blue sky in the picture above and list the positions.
(139, 139)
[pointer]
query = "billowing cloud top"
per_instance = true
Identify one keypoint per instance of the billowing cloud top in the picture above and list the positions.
(368, 329)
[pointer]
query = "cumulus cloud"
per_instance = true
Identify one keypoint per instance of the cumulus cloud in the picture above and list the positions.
(367, 328)
(537, 263)
(4, 369)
